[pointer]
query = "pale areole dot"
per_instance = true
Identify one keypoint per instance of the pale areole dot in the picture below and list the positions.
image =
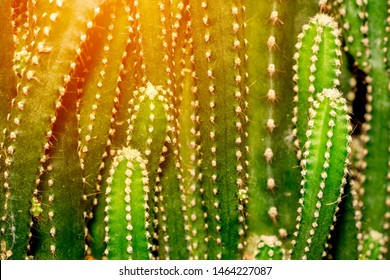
(271, 184)
(273, 213)
(324, 20)
(268, 154)
(271, 42)
(332, 93)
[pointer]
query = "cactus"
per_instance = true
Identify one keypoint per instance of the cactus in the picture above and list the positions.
(369, 49)
(127, 199)
(270, 248)
(53, 46)
(322, 185)
(60, 223)
(189, 129)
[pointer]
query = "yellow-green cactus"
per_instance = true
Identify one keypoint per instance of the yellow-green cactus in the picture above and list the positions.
(162, 129)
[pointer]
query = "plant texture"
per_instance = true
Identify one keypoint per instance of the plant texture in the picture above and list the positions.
(194, 129)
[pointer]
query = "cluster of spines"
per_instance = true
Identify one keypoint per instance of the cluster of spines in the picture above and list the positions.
(127, 218)
(39, 91)
(372, 245)
(324, 169)
(7, 77)
(23, 22)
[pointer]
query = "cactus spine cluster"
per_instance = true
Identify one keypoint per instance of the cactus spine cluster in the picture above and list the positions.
(192, 129)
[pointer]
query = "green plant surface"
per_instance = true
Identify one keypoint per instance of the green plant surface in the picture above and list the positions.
(61, 221)
(219, 48)
(372, 179)
(39, 90)
(127, 200)
(327, 145)
(194, 129)
(273, 183)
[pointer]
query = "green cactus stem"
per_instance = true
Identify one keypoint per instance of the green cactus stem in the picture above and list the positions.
(345, 238)
(324, 167)
(155, 25)
(146, 133)
(59, 219)
(148, 125)
(99, 93)
(188, 141)
(39, 93)
(130, 79)
(273, 194)
(127, 219)
(7, 93)
(219, 48)
(375, 136)
(148, 128)
(7, 77)
(353, 15)
(372, 179)
(318, 61)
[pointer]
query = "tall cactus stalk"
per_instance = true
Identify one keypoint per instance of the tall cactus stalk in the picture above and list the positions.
(7, 78)
(327, 145)
(178, 129)
(97, 95)
(60, 193)
(188, 137)
(318, 60)
(219, 51)
(369, 48)
(274, 175)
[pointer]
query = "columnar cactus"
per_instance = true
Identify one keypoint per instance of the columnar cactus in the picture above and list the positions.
(127, 200)
(189, 129)
(322, 185)
(366, 38)
(45, 68)
(219, 53)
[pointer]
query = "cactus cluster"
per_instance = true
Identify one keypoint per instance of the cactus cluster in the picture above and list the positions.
(194, 129)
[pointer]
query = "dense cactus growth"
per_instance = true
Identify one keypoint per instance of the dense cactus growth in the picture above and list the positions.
(194, 129)
(371, 180)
